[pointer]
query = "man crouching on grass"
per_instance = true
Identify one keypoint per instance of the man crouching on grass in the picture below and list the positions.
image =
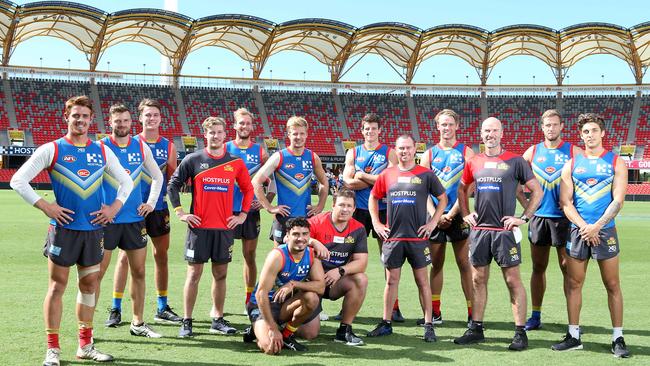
(282, 295)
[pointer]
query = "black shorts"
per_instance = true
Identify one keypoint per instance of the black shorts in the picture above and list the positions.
(129, 236)
(67, 247)
(549, 231)
(157, 223)
(202, 245)
(254, 313)
(395, 252)
(606, 249)
(249, 229)
(498, 244)
(277, 229)
(457, 231)
(363, 216)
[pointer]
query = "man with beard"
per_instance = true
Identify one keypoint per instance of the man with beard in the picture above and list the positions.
(283, 295)
(548, 227)
(75, 236)
(495, 231)
(592, 193)
(211, 221)
(407, 187)
(127, 231)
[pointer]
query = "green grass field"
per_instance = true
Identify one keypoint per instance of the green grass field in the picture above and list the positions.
(23, 283)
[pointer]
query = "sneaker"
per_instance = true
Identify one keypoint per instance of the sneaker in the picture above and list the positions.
(89, 352)
(568, 344)
(323, 316)
(53, 355)
(472, 335)
(292, 344)
(384, 328)
(186, 329)
(222, 326)
(397, 316)
(143, 330)
(429, 333)
(338, 317)
(533, 324)
(114, 318)
(167, 315)
(519, 341)
(619, 349)
(249, 335)
(437, 320)
(348, 337)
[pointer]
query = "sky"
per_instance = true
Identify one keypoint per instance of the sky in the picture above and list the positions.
(490, 15)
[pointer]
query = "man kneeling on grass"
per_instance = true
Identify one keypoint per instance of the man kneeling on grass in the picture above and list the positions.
(282, 295)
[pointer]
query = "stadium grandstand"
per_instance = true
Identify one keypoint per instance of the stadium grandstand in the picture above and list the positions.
(31, 98)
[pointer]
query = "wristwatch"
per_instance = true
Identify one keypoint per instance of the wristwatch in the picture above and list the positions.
(342, 271)
(525, 218)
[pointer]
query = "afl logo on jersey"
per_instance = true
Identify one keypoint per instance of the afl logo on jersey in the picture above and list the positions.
(289, 166)
(446, 169)
(83, 173)
(541, 159)
(69, 159)
(580, 170)
(299, 176)
(437, 160)
(550, 170)
(361, 159)
(592, 181)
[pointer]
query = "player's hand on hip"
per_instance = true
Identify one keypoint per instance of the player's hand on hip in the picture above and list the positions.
(425, 231)
(471, 219)
(445, 221)
(382, 230)
(104, 216)
(282, 210)
(510, 222)
(59, 214)
(256, 205)
(235, 220)
(144, 209)
(313, 211)
(192, 220)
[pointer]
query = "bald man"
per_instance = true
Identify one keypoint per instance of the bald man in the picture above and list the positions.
(495, 230)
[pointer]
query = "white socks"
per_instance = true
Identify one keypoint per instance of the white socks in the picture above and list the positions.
(574, 330)
(617, 332)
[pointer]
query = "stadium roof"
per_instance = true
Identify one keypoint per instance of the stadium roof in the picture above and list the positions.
(404, 47)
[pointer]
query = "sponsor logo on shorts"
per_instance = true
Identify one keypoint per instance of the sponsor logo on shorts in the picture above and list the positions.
(513, 251)
(612, 249)
(611, 241)
(550, 169)
(54, 250)
(189, 253)
(83, 173)
(514, 258)
(592, 181)
(568, 245)
(69, 158)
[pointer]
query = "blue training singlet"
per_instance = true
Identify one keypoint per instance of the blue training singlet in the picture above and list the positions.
(131, 158)
(448, 164)
(160, 150)
(371, 162)
(76, 174)
(291, 270)
(293, 181)
(592, 185)
(252, 157)
(547, 166)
